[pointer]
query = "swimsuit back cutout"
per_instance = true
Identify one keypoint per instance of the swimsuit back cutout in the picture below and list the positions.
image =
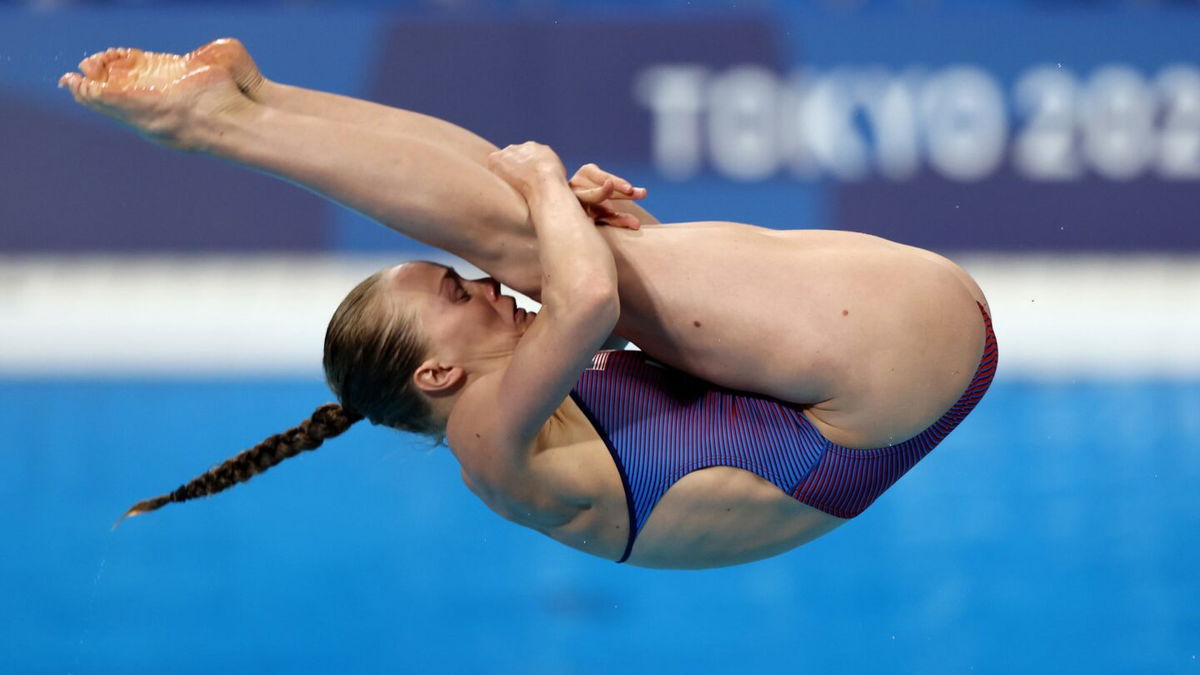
(661, 424)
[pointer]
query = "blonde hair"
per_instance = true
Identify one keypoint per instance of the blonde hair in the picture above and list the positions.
(371, 353)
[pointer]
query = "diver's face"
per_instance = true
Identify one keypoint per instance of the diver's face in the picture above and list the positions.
(462, 319)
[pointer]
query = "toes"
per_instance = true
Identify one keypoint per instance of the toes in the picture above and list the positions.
(87, 89)
(75, 84)
(91, 65)
(69, 80)
(94, 66)
(84, 90)
(115, 55)
(109, 55)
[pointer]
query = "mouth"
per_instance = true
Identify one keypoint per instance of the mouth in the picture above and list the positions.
(522, 317)
(518, 316)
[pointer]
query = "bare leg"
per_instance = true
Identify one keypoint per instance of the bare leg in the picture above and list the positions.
(417, 187)
(233, 56)
(230, 54)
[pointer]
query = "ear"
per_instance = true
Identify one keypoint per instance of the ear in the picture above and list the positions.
(435, 378)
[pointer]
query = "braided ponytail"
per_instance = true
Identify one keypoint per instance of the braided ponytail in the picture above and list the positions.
(371, 352)
(328, 421)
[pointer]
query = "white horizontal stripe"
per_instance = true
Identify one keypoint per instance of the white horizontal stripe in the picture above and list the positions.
(1062, 317)
(1080, 316)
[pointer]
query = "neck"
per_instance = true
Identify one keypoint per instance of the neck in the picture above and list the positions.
(474, 369)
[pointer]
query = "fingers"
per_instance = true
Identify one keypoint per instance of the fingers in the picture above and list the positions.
(604, 214)
(594, 195)
(628, 221)
(625, 221)
(594, 199)
(634, 194)
(598, 176)
(592, 174)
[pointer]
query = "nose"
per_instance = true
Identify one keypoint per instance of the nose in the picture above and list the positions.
(492, 286)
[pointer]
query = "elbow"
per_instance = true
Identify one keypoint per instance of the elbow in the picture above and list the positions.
(610, 309)
(600, 300)
(592, 300)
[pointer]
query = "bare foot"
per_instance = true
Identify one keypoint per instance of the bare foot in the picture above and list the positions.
(166, 97)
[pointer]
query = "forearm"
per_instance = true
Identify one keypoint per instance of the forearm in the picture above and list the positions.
(573, 255)
(413, 186)
(381, 118)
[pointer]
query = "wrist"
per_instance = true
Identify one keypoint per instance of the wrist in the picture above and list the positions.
(546, 179)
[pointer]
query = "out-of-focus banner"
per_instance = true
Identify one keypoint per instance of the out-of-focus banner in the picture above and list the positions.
(990, 130)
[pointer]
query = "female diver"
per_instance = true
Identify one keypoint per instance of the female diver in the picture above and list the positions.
(863, 353)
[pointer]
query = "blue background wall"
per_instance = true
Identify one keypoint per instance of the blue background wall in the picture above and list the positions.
(1103, 100)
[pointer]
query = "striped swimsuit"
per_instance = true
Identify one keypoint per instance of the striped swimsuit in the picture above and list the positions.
(661, 424)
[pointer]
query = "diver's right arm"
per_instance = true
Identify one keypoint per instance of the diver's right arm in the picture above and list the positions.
(579, 295)
(494, 423)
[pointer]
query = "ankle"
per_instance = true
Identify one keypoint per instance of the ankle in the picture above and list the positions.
(256, 87)
(212, 131)
(267, 92)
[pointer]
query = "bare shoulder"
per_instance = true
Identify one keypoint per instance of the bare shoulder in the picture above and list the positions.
(528, 491)
(474, 432)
